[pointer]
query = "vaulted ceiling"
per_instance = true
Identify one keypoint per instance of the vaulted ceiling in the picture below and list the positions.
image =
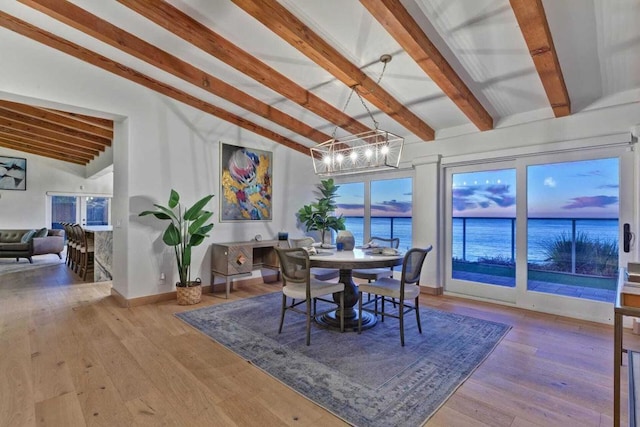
(299, 71)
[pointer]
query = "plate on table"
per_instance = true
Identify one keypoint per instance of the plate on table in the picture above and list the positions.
(322, 253)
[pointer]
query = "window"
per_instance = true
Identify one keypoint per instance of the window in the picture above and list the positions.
(81, 209)
(380, 208)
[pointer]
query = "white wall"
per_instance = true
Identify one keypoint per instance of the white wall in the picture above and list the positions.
(28, 209)
(159, 144)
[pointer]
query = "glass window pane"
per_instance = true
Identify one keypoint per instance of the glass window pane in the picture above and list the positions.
(573, 228)
(483, 226)
(97, 211)
(392, 210)
(351, 205)
(63, 209)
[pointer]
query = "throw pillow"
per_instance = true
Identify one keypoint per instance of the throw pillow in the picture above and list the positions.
(43, 232)
(27, 236)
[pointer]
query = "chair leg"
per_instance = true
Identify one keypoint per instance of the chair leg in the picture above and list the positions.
(360, 313)
(342, 311)
(284, 308)
(308, 321)
(382, 306)
(402, 322)
(418, 315)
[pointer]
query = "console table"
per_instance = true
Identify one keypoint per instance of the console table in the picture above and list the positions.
(237, 259)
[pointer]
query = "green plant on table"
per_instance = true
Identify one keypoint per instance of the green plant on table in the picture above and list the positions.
(187, 228)
(319, 216)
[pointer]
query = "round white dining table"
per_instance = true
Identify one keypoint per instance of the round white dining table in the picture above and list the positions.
(346, 261)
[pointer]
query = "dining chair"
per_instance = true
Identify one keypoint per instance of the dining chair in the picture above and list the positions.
(403, 290)
(298, 285)
(316, 272)
(371, 274)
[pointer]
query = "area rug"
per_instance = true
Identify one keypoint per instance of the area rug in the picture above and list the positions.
(9, 265)
(367, 379)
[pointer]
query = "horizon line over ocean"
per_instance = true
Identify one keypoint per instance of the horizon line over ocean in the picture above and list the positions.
(491, 236)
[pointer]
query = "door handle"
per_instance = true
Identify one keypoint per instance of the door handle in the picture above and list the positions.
(627, 237)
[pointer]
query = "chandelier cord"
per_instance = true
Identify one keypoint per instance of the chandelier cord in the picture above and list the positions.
(364, 104)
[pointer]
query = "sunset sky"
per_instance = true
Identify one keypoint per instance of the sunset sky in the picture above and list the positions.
(389, 198)
(585, 189)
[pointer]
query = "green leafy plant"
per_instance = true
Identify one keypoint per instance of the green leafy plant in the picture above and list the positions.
(319, 216)
(186, 230)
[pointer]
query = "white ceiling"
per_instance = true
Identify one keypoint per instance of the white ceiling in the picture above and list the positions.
(597, 42)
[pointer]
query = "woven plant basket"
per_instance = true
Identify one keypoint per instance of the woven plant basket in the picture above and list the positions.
(189, 295)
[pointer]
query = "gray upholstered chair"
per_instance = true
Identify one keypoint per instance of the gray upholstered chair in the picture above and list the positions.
(317, 273)
(403, 290)
(303, 289)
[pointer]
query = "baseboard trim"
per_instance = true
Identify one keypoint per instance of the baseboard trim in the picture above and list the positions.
(428, 290)
(168, 296)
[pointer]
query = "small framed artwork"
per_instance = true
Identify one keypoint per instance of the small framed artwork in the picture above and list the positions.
(245, 183)
(13, 173)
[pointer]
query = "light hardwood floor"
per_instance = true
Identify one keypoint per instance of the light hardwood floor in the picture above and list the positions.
(69, 356)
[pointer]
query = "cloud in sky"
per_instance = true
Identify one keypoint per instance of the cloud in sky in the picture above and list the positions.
(595, 172)
(591, 202)
(549, 182)
(385, 208)
(482, 197)
(609, 186)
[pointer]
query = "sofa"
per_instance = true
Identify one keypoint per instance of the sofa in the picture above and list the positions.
(27, 243)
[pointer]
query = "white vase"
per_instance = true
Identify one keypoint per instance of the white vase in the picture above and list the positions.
(346, 238)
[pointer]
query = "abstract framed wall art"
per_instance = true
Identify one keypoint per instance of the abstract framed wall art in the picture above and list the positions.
(245, 183)
(13, 173)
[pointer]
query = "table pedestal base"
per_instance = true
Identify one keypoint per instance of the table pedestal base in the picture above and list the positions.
(351, 295)
(332, 320)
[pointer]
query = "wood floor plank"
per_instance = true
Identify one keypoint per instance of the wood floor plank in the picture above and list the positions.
(62, 410)
(16, 388)
(143, 366)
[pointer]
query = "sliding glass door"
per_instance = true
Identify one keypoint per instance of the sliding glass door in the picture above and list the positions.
(572, 228)
(541, 232)
(481, 231)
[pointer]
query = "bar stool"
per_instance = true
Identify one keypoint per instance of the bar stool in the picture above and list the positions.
(72, 246)
(69, 237)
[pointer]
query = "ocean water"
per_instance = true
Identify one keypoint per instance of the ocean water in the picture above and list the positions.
(382, 227)
(492, 237)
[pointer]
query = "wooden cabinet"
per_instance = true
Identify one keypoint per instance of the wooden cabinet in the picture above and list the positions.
(241, 258)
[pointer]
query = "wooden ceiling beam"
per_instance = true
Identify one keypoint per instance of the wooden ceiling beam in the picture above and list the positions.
(41, 152)
(95, 121)
(402, 27)
(47, 116)
(27, 128)
(24, 28)
(187, 28)
(62, 131)
(47, 143)
(282, 22)
(535, 29)
(106, 32)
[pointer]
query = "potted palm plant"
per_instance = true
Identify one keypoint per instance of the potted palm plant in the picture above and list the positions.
(187, 228)
(319, 216)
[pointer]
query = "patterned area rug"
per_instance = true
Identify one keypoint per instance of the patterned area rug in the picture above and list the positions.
(9, 265)
(367, 379)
